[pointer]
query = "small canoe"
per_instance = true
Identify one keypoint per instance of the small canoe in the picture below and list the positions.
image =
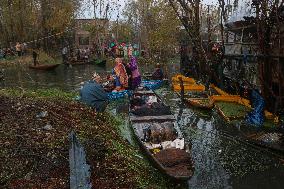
(100, 62)
(44, 66)
(271, 140)
(152, 84)
(79, 62)
(186, 80)
(231, 110)
(118, 95)
(160, 139)
(225, 97)
(194, 87)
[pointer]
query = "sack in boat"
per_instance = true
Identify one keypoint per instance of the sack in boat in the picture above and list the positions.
(162, 132)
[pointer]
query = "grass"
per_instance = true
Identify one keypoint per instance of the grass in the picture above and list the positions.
(43, 58)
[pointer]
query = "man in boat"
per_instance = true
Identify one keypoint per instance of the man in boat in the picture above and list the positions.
(18, 49)
(256, 116)
(35, 57)
(64, 54)
(158, 73)
(93, 94)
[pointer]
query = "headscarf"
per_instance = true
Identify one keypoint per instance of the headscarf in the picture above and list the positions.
(120, 72)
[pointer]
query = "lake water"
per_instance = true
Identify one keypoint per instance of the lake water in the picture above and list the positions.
(220, 161)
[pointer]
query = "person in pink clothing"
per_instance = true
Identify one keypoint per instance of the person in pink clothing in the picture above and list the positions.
(135, 75)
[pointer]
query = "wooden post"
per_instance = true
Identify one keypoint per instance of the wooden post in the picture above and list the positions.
(181, 89)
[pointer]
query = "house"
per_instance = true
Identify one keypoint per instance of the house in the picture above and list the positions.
(245, 59)
(90, 32)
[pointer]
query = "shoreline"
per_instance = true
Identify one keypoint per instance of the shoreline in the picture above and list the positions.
(114, 162)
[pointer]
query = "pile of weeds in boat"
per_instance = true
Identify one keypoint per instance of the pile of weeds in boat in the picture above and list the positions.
(34, 145)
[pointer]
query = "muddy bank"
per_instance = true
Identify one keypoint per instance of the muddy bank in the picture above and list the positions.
(34, 130)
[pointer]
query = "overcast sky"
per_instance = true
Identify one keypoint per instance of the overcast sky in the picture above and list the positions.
(116, 7)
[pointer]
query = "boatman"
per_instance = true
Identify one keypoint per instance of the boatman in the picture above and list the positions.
(256, 116)
(93, 94)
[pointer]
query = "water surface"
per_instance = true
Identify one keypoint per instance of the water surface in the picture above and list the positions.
(220, 161)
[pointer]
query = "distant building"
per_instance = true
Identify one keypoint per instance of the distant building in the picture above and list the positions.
(84, 37)
(244, 58)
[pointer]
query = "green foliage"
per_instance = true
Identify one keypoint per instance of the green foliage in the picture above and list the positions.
(155, 24)
(27, 20)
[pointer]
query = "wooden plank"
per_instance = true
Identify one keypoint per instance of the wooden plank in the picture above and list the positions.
(151, 118)
(144, 92)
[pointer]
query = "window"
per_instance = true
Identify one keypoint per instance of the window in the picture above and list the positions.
(83, 40)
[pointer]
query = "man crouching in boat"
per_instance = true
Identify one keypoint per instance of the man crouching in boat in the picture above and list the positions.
(93, 94)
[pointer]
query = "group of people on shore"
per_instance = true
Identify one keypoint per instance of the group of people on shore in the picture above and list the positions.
(123, 50)
(19, 49)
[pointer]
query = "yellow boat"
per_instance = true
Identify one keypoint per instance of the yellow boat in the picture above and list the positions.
(188, 83)
(186, 80)
(187, 88)
(226, 97)
(203, 103)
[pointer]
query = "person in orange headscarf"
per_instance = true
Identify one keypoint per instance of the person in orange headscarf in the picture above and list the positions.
(121, 78)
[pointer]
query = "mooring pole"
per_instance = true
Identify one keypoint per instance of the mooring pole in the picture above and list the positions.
(181, 88)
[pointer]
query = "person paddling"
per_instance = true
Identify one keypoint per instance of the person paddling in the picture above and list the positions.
(35, 55)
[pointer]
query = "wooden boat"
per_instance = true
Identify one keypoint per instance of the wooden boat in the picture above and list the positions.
(226, 97)
(44, 66)
(100, 62)
(194, 87)
(186, 80)
(160, 139)
(203, 103)
(78, 62)
(198, 100)
(271, 140)
(231, 110)
(189, 84)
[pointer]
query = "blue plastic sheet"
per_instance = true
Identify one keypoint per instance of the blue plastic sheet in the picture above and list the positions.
(119, 94)
(152, 84)
(256, 116)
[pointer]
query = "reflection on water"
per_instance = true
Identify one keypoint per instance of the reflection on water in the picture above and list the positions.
(220, 162)
(64, 77)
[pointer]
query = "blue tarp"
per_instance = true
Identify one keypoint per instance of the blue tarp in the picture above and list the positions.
(117, 95)
(256, 116)
(152, 84)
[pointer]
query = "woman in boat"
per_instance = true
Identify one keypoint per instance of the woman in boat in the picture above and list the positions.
(158, 73)
(129, 73)
(120, 74)
(135, 75)
(93, 94)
